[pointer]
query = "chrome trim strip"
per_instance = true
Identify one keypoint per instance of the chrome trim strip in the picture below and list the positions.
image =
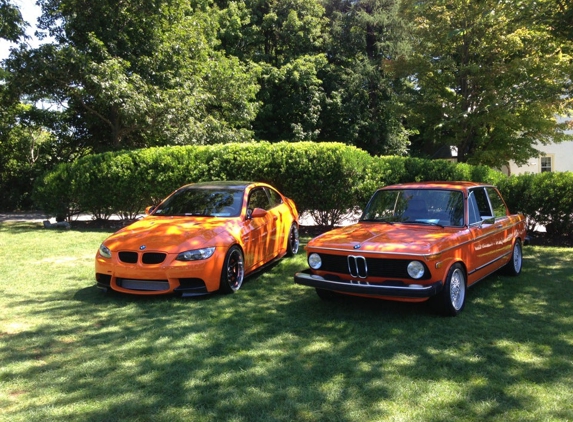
(489, 263)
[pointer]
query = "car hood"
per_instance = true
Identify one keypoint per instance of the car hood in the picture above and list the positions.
(171, 234)
(381, 238)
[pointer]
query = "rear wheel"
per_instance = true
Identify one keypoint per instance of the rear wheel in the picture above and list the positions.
(293, 241)
(513, 267)
(233, 272)
(451, 300)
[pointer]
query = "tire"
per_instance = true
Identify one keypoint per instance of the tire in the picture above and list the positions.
(293, 241)
(452, 299)
(233, 271)
(513, 267)
(327, 295)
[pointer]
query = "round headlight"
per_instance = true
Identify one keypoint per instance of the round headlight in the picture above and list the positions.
(416, 269)
(314, 261)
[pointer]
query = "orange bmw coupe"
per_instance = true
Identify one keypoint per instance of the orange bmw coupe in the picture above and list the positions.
(204, 237)
(417, 242)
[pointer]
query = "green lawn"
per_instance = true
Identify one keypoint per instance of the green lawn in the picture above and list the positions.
(274, 351)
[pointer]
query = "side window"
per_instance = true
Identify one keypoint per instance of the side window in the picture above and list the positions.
(484, 210)
(275, 198)
(258, 199)
(473, 209)
(499, 208)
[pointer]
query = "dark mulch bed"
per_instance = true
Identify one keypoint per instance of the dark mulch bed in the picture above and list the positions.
(537, 238)
(545, 239)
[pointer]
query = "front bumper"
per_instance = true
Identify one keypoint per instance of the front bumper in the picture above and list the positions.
(189, 278)
(306, 278)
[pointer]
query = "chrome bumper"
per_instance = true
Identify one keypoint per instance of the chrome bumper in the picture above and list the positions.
(306, 278)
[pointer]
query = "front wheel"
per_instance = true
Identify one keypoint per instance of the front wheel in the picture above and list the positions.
(513, 267)
(233, 272)
(293, 241)
(451, 300)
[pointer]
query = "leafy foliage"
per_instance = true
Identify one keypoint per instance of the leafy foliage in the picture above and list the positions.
(546, 199)
(11, 22)
(391, 77)
(136, 74)
(488, 78)
(326, 180)
(362, 106)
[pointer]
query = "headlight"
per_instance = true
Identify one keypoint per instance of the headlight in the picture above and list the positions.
(104, 251)
(416, 269)
(314, 261)
(195, 254)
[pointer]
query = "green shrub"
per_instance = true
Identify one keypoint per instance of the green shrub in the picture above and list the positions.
(546, 199)
(327, 180)
(517, 191)
(553, 193)
(322, 178)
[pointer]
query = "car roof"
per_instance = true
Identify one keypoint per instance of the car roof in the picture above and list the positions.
(457, 185)
(222, 184)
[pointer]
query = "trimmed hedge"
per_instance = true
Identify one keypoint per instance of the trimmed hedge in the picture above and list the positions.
(546, 199)
(327, 180)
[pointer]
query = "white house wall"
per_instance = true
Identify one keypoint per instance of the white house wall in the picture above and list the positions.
(561, 157)
(561, 154)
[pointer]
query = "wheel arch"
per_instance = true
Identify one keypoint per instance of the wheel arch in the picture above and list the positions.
(451, 264)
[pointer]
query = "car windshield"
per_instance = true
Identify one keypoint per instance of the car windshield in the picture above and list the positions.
(416, 206)
(208, 202)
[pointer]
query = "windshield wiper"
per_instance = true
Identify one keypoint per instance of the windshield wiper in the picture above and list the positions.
(375, 220)
(426, 223)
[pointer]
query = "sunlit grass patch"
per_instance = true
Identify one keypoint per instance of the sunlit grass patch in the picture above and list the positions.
(274, 351)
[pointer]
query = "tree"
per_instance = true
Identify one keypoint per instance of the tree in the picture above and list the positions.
(11, 22)
(362, 106)
(324, 68)
(558, 14)
(487, 77)
(136, 73)
(285, 38)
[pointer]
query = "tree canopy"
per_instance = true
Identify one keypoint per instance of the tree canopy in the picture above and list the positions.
(487, 77)
(12, 24)
(393, 77)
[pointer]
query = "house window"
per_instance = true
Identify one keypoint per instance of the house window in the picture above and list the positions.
(546, 164)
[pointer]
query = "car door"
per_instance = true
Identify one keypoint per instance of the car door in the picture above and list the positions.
(261, 227)
(487, 245)
(502, 222)
(282, 219)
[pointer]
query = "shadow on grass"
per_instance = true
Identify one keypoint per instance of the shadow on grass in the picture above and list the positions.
(19, 227)
(274, 351)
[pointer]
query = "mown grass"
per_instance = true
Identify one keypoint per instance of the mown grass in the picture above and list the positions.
(274, 351)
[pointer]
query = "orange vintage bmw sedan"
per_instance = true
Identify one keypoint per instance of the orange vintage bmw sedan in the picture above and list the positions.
(418, 242)
(204, 237)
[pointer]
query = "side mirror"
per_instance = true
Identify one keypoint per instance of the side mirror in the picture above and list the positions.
(149, 209)
(258, 212)
(488, 220)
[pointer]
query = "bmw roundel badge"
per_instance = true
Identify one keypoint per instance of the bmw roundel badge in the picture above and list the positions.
(357, 246)
(142, 247)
